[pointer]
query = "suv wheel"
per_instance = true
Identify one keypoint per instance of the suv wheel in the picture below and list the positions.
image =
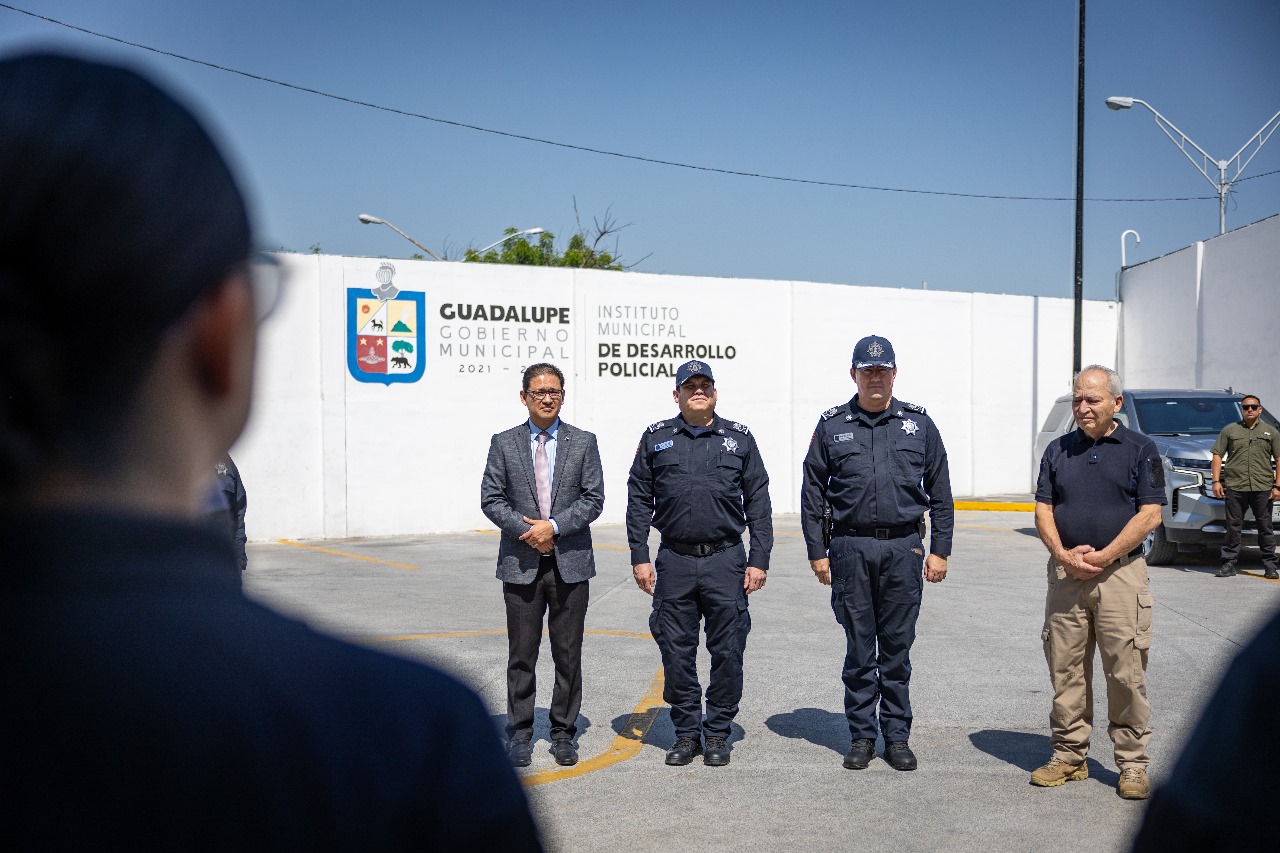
(1157, 550)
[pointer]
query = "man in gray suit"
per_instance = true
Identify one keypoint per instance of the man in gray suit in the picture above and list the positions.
(543, 485)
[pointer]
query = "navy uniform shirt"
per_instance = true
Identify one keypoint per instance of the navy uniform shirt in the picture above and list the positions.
(1096, 487)
(876, 470)
(237, 501)
(699, 486)
(224, 504)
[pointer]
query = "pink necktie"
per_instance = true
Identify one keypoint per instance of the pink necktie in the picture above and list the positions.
(542, 475)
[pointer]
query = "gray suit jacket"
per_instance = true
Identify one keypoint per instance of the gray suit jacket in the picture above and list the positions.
(507, 492)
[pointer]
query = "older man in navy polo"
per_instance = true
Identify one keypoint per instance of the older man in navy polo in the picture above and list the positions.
(1099, 495)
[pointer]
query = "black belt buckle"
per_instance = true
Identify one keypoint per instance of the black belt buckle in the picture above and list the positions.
(882, 533)
(703, 549)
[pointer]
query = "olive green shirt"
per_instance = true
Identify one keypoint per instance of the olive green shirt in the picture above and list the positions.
(1246, 456)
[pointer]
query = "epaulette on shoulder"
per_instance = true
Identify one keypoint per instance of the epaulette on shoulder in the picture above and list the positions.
(912, 407)
(831, 412)
(737, 427)
(655, 427)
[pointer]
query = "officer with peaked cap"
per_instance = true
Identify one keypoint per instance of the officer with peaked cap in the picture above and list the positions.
(875, 465)
(699, 480)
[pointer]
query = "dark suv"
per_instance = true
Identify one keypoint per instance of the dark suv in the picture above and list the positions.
(1184, 425)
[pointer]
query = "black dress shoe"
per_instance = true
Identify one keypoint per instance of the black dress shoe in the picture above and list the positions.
(1272, 575)
(566, 754)
(900, 756)
(521, 753)
(860, 753)
(1224, 572)
(717, 752)
(684, 751)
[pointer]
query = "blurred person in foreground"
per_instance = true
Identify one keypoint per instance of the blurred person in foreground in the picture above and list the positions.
(150, 703)
(1215, 798)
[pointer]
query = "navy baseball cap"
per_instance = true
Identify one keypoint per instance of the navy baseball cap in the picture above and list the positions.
(690, 369)
(873, 351)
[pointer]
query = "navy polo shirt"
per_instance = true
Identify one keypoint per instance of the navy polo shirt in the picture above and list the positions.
(1096, 487)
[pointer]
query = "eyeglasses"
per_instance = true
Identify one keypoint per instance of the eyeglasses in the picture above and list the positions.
(1249, 407)
(544, 393)
(266, 278)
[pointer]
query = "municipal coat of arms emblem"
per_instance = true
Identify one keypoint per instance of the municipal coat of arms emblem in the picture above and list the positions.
(385, 335)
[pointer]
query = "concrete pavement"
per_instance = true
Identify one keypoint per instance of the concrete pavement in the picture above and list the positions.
(980, 692)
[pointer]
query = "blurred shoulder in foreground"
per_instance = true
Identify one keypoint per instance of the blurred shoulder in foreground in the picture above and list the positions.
(151, 705)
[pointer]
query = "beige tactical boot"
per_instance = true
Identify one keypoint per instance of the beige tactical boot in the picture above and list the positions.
(1133, 784)
(1058, 772)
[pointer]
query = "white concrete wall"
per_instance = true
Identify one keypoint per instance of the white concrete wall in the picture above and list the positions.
(1160, 339)
(326, 455)
(1206, 316)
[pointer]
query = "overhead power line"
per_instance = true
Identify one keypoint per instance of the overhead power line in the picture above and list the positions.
(584, 148)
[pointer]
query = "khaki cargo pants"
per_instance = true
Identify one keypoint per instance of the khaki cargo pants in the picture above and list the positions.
(1113, 612)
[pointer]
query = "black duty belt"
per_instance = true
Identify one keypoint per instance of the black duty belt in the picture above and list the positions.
(699, 549)
(876, 532)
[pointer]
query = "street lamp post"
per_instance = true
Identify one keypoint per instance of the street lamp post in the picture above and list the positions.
(373, 220)
(1221, 183)
(510, 236)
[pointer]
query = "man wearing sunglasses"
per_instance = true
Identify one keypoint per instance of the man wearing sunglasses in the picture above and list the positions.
(543, 486)
(1244, 475)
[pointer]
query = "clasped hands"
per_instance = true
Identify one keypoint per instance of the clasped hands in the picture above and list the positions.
(540, 536)
(1083, 561)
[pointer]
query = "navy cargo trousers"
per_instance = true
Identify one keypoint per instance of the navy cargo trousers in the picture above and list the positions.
(876, 587)
(690, 590)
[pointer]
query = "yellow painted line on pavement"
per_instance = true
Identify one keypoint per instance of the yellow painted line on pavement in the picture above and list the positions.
(1258, 576)
(986, 527)
(627, 744)
(996, 506)
(346, 554)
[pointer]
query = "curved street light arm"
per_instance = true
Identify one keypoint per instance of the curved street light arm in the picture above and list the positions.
(1258, 140)
(374, 220)
(1182, 141)
(511, 236)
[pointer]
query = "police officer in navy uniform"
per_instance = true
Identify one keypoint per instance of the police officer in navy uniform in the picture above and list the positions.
(224, 504)
(699, 480)
(874, 466)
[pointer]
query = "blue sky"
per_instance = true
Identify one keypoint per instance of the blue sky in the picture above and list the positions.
(952, 97)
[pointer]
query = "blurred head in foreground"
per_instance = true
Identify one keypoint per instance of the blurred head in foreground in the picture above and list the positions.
(126, 309)
(188, 716)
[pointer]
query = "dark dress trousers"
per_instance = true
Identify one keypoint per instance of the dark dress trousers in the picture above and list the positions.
(533, 586)
(150, 705)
